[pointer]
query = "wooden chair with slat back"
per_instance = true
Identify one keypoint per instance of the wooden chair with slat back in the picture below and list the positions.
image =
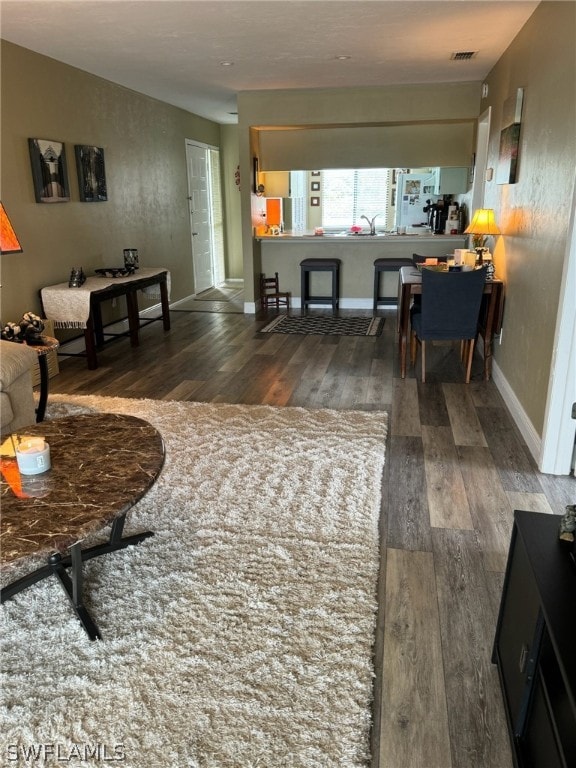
(271, 295)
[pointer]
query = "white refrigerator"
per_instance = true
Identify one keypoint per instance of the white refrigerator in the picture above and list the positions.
(412, 192)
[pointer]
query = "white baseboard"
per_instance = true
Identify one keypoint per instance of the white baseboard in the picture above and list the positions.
(519, 415)
(173, 305)
(296, 303)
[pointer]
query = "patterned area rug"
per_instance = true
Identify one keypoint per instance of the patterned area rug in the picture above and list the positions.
(326, 326)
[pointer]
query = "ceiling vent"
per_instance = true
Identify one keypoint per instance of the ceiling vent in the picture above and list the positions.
(463, 55)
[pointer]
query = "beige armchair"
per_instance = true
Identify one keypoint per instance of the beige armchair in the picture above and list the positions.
(17, 405)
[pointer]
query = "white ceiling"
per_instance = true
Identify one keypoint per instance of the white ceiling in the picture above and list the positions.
(173, 49)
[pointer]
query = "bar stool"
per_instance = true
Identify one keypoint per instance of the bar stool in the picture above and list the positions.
(320, 265)
(386, 265)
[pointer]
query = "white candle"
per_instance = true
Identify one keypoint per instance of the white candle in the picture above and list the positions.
(32, 445)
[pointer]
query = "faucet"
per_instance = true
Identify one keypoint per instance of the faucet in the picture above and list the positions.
(371, 223)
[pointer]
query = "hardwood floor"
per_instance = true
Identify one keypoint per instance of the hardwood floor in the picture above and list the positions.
(456, 468)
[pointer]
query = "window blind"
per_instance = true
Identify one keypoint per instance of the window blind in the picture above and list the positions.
(348, 194)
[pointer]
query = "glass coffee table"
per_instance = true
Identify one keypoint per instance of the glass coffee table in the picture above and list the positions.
(102, 464)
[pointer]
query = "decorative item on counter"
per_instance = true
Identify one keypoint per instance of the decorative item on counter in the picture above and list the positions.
(32, 455)
(273, 212)
(32, 327)
(459, 255)
(490, 269)
(567, 532)
(12, 332)
(452, 222)
(319, 231)
(131, 259)
(28, 330)
(355, 229)
(77, 277)
(433, 264)
(114, 272)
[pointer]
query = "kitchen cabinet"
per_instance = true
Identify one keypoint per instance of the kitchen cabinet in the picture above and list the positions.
(451, 181)
(534, 644)
(285, 184)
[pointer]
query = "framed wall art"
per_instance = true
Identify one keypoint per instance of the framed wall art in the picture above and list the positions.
(49, 171)
(508, 157)
(314, 201)
(315, 186)
(91, 174)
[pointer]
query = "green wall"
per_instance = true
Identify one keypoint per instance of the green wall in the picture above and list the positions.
(533, 214)
(144, 149)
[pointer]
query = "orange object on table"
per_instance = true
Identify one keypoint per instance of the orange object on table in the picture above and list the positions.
(274, 211)
(11, 473)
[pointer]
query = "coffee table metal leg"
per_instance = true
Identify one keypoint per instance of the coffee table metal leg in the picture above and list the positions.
(116, 540)
(72, 585)
(7, 592)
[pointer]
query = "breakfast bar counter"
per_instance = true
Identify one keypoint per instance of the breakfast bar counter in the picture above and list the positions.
(283, 254)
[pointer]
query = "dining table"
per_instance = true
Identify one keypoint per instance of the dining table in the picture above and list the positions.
(489, 321)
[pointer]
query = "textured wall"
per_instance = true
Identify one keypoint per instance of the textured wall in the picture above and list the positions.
(533, 213)
(144, 148)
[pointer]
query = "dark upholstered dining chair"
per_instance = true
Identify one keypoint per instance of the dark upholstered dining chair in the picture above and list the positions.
(449, 311)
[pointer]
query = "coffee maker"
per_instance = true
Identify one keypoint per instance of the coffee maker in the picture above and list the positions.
(437, 215)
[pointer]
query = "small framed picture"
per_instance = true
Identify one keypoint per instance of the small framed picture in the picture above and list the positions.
(91, 174)
(255, 175)
(49, 171)
(315, 173)
(314, 201)
(315, 186)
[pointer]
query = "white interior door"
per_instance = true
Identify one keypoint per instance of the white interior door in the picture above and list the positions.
(200, 216)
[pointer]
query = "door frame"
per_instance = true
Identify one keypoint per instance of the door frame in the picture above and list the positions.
(216, 269)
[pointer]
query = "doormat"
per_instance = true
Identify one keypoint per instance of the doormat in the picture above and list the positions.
(326, 326)
(227, 291)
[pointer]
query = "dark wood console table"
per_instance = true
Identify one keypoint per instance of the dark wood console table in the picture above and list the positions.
(81, 307)
(534, 645)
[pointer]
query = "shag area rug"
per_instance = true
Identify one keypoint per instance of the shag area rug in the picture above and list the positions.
(326, 326)
(240, 635)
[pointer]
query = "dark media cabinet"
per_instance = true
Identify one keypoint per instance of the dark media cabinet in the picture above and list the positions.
(535, 644)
